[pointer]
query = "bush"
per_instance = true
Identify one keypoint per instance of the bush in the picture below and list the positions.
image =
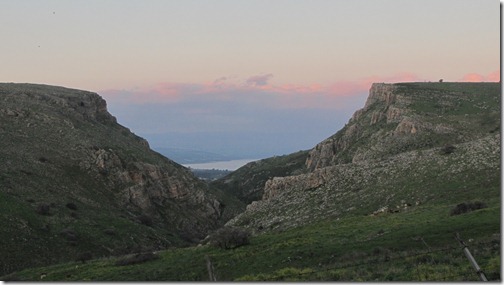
(43, 209)
(467, 207)
(145, 220)
(71, 206)
(69, 234)
(110, 231)
(136, 258)
(447, 149)
(230, 237)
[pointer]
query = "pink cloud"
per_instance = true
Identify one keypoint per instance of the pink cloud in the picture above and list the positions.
(475, 77)
(494, 76)
(256, 90)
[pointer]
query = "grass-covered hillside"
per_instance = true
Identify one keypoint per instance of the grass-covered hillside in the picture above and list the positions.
(75, 184)
(417, 245)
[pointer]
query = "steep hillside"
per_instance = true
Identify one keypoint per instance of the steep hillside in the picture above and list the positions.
(412, 144)
(410, 116)
(74, 182)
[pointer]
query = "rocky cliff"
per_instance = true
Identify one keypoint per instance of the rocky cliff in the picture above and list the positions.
(401, 117)
(412, 143)
(68, 167)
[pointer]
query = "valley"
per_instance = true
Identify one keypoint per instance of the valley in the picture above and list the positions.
(380, 200)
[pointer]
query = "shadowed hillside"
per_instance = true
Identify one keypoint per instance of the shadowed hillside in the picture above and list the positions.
(75, 182)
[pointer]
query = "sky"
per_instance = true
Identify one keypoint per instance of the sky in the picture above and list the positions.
(249, 77)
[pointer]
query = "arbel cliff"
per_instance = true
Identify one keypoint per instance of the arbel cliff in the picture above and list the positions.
(411, 144)
(73, 181)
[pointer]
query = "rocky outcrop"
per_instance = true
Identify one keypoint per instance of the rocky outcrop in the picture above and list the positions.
(146, 185)
(395, 118)
(384, 105)
(397, 184)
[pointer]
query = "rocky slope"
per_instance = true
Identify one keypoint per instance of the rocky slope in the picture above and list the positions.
(411, 144)
(402, 117)
(247, 182)
(73, 181)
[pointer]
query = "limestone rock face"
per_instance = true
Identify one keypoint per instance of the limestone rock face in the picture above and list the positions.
(365, 186)
(389, 119)
(143, 184)
(278, 185)
(406, 126)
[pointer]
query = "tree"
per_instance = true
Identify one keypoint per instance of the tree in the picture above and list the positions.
(230, 237)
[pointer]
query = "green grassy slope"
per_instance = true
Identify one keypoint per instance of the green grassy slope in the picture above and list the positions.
(416, 245)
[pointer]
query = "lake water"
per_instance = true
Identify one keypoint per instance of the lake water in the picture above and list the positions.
(222, 165)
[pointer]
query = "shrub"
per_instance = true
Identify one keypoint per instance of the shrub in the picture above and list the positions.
(71, 206)
(43, 209)
(230, 237)
(467, 207)
(145, 220)
(447, 149)
(110, 232)
(69, 234)
(136, 258)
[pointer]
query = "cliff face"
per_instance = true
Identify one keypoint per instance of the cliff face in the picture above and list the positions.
(401, 117)
(392, 153)
(62, 147)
